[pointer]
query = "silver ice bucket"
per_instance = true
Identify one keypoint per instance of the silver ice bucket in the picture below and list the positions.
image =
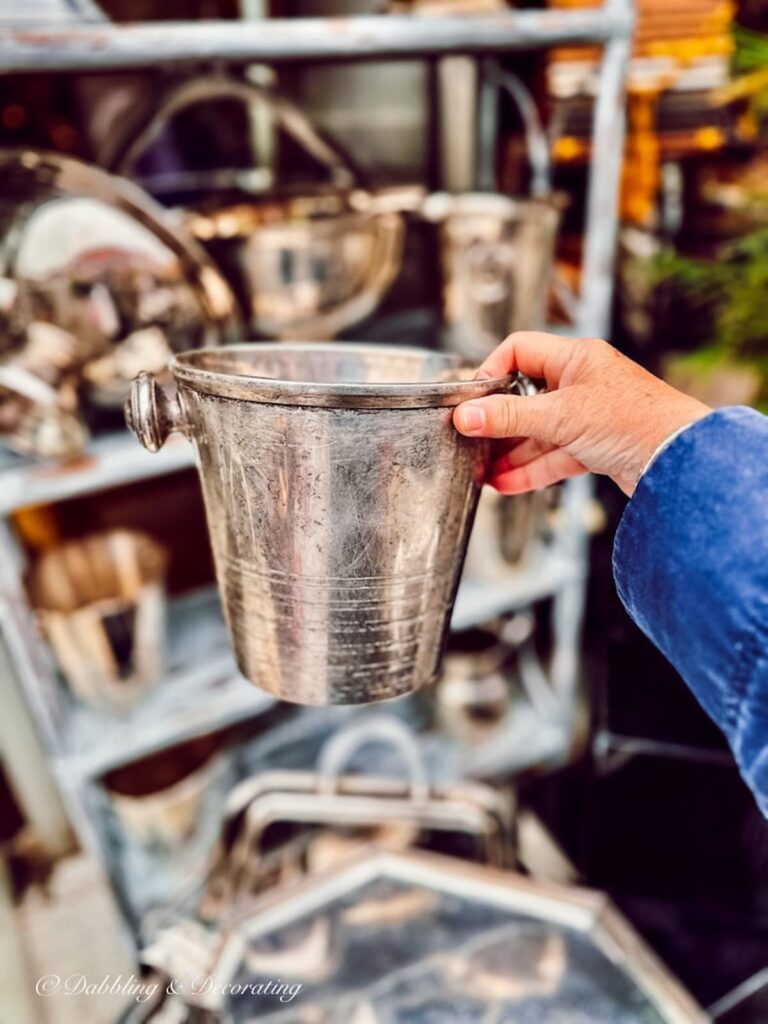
(497, 255)
(339, 499)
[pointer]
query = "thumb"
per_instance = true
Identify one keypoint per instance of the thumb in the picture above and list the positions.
(538, 416)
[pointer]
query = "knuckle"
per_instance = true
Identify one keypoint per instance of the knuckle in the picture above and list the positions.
(506, 418)
(589, 354)
(604, 348)
(562, 412)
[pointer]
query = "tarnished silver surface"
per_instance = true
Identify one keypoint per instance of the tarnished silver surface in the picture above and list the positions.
(497, 252)
(95, 284)
(211, 87)
(308, 265)
(333, 801)
(497, 257)
(339, 499)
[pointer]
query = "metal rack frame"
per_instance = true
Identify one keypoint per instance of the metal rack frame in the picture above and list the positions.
(222, 696)
(106, 47)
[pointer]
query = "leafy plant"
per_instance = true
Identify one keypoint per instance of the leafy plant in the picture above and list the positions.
(750, 50)
(734, 291)
(750, 66)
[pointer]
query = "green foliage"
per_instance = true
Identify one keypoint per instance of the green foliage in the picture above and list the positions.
(750, 62)
(734, 290)
(750, 50)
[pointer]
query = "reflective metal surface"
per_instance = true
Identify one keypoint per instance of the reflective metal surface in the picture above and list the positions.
(497, 258)
(475, 689)
(206, 88)
(339, 499)
(315, 38)
(497, 252)
(332, 804)
(309, 267)
(419, 939)
(94, 286)
(305, 266)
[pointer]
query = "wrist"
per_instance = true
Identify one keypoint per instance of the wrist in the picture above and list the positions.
(676, 422)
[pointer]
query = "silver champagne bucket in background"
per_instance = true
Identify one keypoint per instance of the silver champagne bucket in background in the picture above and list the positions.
(339, 499)
(497, 256)
(497, 252)
(307, 263)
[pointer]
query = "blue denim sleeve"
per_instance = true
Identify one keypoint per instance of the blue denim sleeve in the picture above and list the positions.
(691, 566)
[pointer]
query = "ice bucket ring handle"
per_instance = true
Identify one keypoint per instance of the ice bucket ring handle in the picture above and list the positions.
(151, 413)
(338, 751)
(522, 385)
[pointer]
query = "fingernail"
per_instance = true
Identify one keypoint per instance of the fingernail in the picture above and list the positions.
(483, 375)
(473, 418)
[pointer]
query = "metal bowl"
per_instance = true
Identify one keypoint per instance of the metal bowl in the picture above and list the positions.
(307, 263)
(309, 266)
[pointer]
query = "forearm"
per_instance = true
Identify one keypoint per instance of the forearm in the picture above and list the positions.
(691, 566)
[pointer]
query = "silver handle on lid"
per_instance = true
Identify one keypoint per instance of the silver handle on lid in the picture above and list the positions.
(522, 385)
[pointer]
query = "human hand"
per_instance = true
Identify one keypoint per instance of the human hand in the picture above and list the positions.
(602, 413)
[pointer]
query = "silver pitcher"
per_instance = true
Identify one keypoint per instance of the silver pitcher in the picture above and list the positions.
(339, 499)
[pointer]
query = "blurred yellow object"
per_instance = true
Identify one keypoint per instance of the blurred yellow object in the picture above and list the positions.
(743, 87)
(747, 126)
(38, 526)
(642, 161)
(671, 37)
(683, 29)
(568, 148)
(710, 138)
(688, 50)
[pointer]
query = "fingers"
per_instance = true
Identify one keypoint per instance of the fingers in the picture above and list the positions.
(533, 353)
(519, 455)
(537, 416)
(550, 468)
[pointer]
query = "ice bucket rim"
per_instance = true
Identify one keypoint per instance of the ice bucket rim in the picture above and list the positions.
(447, 207)
(340, 395)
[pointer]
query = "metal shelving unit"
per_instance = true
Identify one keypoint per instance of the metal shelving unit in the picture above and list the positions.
(102, 46)
(109, 461)
(203, 691)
